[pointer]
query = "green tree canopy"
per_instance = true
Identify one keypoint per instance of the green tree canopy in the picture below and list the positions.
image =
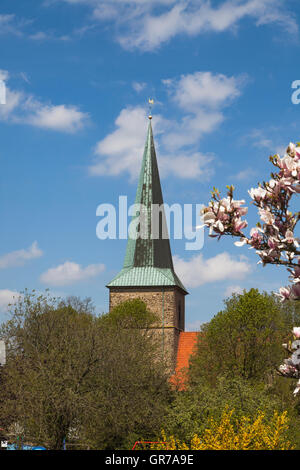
(131, 313)
(235, 365)
(192, 409)
(71, 374)
(243, 340)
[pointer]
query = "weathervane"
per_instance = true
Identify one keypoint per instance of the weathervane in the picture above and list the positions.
(151, 102)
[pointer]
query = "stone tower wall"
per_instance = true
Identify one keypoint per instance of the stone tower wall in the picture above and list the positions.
(169, 306)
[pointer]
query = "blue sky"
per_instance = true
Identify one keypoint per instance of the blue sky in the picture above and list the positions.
(79, 74)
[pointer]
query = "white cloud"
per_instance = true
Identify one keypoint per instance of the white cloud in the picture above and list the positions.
(22, 108)
(147, 24)
(191, 128)
(13, 98)
(19, 257)
(8, 297)
(269, 139)
(50, 36)
(39, 36)
(122, 150)
(4, 75)
(69, 273)
(245, 175)
(198, 271)
(233, 290)
(10, 25)
(59, 118)
(259, 139)
(204, 89)
(139, 86)
(194, 165)
(201, 97)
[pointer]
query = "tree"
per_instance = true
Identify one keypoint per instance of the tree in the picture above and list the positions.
(132, 394)
(244, 340)
(52, 355)
(131, 313)
(71, 374)
(133, 384)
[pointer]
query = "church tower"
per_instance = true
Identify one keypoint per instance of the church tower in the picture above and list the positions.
(148, 272)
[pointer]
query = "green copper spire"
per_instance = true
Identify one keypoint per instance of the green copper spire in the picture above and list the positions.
(148, 260)
(149, 252)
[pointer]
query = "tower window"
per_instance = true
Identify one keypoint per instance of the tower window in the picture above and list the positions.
(179, 314)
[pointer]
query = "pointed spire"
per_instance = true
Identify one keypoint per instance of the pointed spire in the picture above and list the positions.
(149, 252)
(148, 261)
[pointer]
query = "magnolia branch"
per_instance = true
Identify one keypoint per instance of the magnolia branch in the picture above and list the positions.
(273, 237)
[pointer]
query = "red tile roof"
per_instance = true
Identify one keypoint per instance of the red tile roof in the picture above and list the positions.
(187, 343)
(186, 347)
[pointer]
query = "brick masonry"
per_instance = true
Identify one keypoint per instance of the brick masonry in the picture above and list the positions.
(168, 304)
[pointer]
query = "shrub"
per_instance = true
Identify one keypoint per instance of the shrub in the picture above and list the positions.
(229, 433)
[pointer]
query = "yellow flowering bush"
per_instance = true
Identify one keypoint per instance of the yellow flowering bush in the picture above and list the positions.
(229, 433)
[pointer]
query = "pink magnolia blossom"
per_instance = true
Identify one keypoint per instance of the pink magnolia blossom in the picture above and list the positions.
(239, 224)
(296, 331)
(296, 391)
(284, 293)
(295, 292)
(267, 216)
(257, 193)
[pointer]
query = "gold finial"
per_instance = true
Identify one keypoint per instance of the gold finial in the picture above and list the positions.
(151, 102)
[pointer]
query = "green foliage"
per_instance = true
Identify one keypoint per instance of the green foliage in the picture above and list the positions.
(132, 393)
(73, 375)
(192, 409)
(99, 380)
(244, 340)
(131, 313)
(291, 314)
(234, 366)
